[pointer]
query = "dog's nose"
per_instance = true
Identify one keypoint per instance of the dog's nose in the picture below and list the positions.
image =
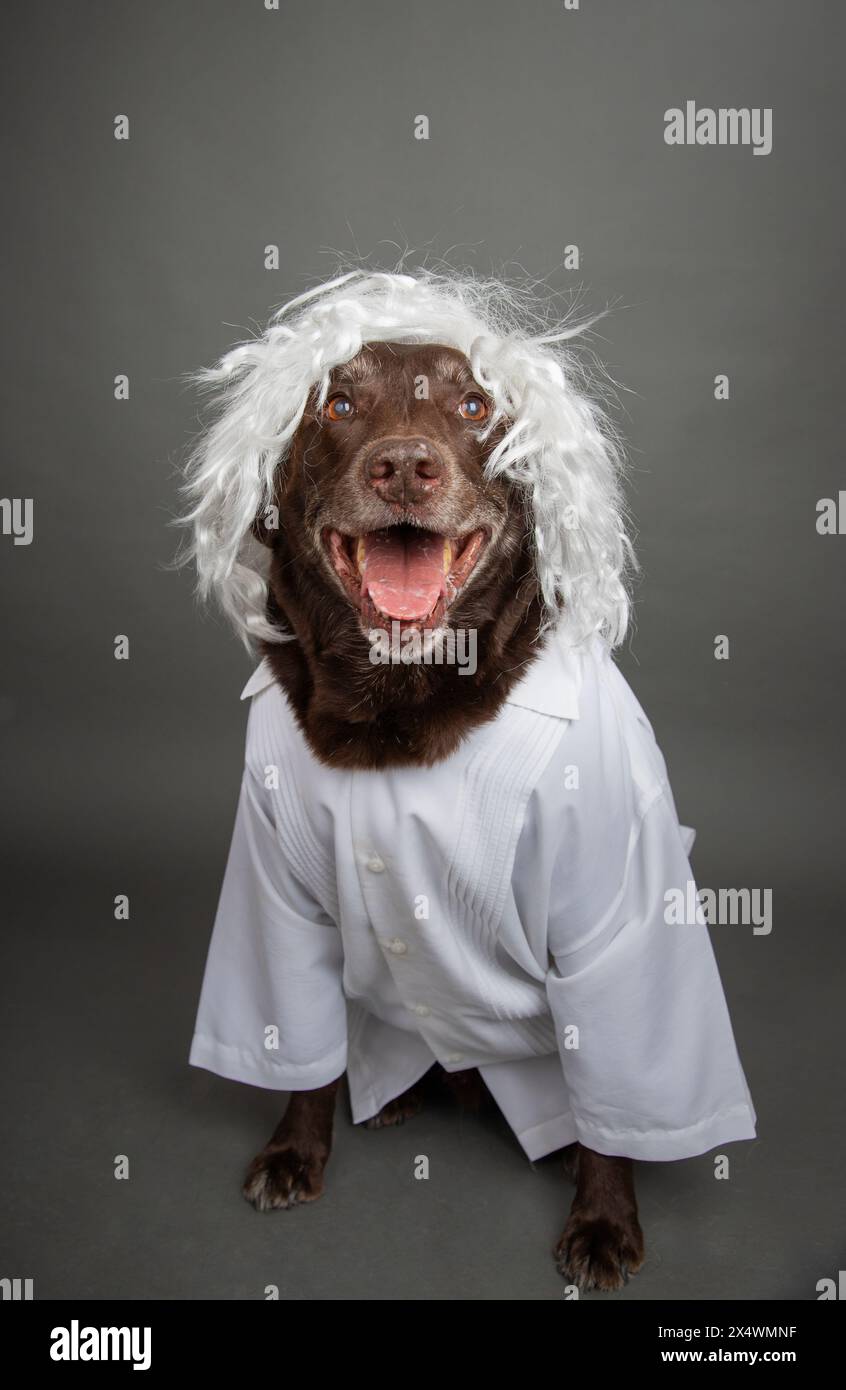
(404, 470)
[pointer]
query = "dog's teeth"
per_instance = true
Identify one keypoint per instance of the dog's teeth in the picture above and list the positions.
(360, 554)
(447, 556)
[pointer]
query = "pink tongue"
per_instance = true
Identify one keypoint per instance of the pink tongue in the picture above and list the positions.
(403, 572)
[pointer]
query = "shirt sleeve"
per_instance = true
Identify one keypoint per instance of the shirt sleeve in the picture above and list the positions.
(272, 1010)
(643, 1030)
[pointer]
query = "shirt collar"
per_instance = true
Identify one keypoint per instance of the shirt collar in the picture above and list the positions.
(259, 680)
(550, 683)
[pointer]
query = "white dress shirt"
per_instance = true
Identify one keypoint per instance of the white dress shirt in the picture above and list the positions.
(503, 909)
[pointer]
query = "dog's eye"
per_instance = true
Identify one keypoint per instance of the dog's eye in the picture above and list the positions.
(338, 408)
(473, 408)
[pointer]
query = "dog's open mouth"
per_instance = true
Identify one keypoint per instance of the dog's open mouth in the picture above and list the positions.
(403, 574)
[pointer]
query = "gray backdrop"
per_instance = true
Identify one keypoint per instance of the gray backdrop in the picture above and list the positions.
(145, 257)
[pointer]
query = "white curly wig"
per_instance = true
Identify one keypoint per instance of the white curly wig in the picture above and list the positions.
(559, 448)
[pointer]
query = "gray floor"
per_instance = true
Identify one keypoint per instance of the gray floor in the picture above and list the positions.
(98, 1030)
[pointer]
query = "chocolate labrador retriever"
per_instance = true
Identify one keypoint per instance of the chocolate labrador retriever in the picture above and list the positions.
(385, 517)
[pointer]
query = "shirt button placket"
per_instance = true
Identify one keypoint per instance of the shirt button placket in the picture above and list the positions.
(378, 896)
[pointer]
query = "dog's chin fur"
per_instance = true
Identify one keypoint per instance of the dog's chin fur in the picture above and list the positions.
(361, 715)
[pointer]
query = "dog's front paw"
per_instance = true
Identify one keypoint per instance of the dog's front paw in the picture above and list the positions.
(281, 1177)
(598, 1252)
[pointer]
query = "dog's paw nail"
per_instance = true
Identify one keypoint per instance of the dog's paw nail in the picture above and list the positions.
(597, 1253)
(281, 1178)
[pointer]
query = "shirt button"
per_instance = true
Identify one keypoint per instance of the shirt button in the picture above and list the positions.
(454, 1057)
(421, 1010)
(397, 946)
(375, 864)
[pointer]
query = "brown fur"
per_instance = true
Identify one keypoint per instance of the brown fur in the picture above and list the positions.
(359, 715)
(355, 714)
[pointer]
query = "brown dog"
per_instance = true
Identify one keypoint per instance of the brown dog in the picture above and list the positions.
(384, 481)
(469, 869)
